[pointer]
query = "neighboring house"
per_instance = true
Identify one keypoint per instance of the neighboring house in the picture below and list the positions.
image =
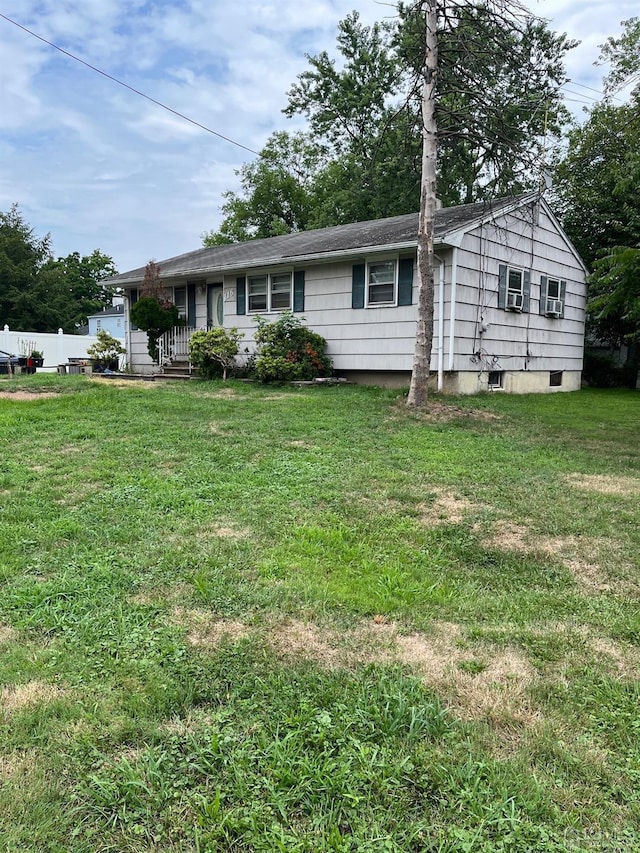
(110, 320)
(510, 296)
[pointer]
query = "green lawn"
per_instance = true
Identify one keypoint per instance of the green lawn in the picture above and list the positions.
(245, 618)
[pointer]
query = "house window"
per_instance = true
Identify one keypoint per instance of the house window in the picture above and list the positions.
(515, 290)
(381, 283)
(555, 378)
(495, 379)
(180, 301)
(269, 292)
(98, 324)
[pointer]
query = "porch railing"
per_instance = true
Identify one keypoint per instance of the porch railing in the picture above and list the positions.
(174, 345)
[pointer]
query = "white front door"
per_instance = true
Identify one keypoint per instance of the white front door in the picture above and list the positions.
(215, 306)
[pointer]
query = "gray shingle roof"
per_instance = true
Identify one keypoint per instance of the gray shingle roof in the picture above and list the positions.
(347, 239)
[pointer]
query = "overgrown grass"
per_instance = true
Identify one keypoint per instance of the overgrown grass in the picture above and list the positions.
(241, 618)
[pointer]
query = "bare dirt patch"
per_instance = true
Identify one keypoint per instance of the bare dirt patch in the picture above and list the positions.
(495, 688)
(623, 658)
(305, 640)
(204, 630)
(18, 696)
(7, 634)
(17, 764)
(218, 530)
(305, 445)
(447, 508)
(124, 383)
(27, 396)
(606, 484)
(437, 412)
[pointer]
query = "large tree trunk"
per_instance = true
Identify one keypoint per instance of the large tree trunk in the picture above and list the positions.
(424, 331)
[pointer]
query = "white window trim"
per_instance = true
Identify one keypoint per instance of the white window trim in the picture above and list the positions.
(380, 260)
(518, 301)
(268, 274)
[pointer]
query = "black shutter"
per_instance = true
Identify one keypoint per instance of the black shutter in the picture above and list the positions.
(191, 305)
(298, 291)
(526, 291)
(405, 281)
(563, 295)
(543, 294)
(502, 286)
(241, 295)
(357, 286)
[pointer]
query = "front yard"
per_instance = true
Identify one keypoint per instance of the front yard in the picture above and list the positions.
(243, 618)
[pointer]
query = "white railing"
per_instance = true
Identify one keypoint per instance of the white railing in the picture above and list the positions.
(174, 345)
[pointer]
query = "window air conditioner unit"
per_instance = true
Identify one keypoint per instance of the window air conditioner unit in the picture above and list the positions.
(554, 307)
(514, 301)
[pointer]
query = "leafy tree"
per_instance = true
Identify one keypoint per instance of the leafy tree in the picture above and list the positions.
(596, 189)
(84, 279)
(40, 294)
(498, 93)
(623, 55)
(275, 195)
(214, 352)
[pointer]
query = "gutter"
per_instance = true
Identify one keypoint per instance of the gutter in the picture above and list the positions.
(440, 336)
(452, 310)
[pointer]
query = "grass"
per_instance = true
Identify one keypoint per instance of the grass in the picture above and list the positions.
(243, 618)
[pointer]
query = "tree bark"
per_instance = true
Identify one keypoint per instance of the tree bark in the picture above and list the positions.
(424, 327)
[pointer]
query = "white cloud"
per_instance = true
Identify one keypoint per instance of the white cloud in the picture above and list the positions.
(99, 167)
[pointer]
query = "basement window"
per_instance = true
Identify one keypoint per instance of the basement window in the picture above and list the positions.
(555, 378)
(495, 380)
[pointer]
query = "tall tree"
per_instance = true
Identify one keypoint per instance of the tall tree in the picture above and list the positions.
(40, 294)
(361, 155)
(597, 199)
(623, 55)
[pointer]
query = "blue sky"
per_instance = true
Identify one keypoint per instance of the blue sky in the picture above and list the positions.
(99, 167)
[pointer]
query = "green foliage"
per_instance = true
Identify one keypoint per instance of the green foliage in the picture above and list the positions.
(602, 370)
(214, 352)
(360, 158)
(623, 55)
(106, 351)
(287, 350)
(155, 318)
(597, 192)
(40, 294)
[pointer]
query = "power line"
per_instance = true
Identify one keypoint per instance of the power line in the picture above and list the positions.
(130, 88)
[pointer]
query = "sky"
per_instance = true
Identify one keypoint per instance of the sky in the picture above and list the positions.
(99, 167)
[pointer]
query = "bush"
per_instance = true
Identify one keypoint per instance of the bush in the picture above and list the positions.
(106, 351)
(155, 318)
(214, 352)
(601, 370)
(287, 351)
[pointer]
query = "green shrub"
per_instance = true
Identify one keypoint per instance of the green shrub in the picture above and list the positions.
(287, 351)
(155, 318)
(214, 352)
(106, 351)
(601, 370)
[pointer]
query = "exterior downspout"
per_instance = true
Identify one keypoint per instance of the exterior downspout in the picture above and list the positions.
(440, 323)
(127, 327)
(452, 309)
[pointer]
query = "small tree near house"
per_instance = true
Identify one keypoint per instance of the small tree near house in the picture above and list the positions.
(154, 312)
(214, 352)
(106, 351)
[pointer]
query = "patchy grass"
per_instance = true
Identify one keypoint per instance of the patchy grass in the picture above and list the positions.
(238, 618)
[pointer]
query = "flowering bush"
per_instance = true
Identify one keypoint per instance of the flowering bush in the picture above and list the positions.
(287, 350)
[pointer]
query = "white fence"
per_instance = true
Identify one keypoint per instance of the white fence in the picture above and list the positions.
(56, 348)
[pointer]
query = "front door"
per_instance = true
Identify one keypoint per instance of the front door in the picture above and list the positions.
(215, 306)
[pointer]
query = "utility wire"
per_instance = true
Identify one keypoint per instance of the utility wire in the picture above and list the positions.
(130, 88)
